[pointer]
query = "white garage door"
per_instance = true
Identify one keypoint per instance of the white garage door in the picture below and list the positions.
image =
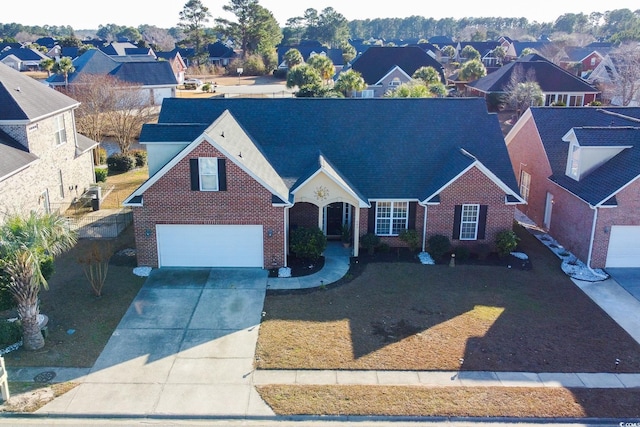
(624, 246)
(209, 245)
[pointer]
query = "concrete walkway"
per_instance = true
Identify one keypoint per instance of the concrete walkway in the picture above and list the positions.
(186, 347)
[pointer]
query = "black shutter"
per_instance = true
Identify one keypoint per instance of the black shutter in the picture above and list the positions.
(413, 206)
(195, 174)
(457, 218)
(222, 175)
(482, 222)
(371, 223)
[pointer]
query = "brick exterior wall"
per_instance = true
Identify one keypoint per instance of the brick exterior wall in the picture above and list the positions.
(304, 215)
(21, 193)
(627, 213)
(474, 187)
(170, 200)
(527, 154)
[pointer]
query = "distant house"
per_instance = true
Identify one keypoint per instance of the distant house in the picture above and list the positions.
(22, 59)
(581, 60)
(557, 84)
(606, 75)
(310, 48)
(178, 65)
(220, 54)
(155, 78)
(579, 171)
(44, 163)
(386, 68)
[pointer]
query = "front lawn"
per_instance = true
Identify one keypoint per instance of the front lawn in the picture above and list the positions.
(80, 324)
(408, 316)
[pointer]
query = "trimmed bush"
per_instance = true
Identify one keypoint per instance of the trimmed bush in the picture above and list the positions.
(121, 162)
(101, 174)
(10, 333)
(438, 246)
(506, 241)
(140, 156)
(370, 242)
(411, 238)
(307, 243)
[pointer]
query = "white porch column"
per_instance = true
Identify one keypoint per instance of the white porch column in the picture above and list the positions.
(320, 217)
(356, 231)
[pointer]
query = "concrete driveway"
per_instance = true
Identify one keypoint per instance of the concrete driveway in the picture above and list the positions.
(628, 278)
(185, 346)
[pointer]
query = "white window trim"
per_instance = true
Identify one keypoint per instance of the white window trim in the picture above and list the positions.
(201, 173)
(392, 217)
(60, 133)
(525, 185)
(476, 222)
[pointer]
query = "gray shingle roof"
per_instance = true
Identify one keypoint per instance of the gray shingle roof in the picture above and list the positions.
(377, 61)
(386, 148)
(592, 125)
(13, 156)
(550, 77)
(25, 99)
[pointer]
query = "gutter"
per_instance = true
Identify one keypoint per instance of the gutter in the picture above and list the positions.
(591, 239)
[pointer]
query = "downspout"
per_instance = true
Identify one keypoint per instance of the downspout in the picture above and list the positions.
(286, 234)
(593, 233)
(424, 229)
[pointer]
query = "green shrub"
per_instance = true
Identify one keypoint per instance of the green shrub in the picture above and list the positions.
(307, 242)
(47, 267)
(462, 253)
(370, 242)
(280, 73)
(483, 250)
(101, 174)
(506, 241)
(102, 156)
(384, 248)
(438, 246)
(207, 87)
(140, 156)
(6, 299)
(595, 103)
(10, 333)
(411, 238)
(121, 162)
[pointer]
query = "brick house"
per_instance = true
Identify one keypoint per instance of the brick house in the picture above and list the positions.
(44, 163)
(229, 178)
(579, 170)
(557, 84)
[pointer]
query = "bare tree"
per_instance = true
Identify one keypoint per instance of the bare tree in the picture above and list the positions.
(98, 97)
(132, 110)
(523, 90)
(626, 77)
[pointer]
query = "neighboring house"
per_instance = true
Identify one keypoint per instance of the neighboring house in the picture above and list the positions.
(22, 59)
(581, 61)
(178, 65)
(310, 48)
(579, 169)
(557, 84)
(155, 78)
(44, 163)
(606, 78)
(386, 68)
(230, 178)
(220, 54)
(48, 42)
(514, 49)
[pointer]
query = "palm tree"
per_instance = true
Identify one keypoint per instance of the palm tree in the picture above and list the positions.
(292, 58)
(47, 65)
(428, 75)
(25, 242)
(65, 67)
(349, 82)
(472, 70)
(324, 65)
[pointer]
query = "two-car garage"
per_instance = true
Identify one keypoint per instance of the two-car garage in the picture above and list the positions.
(182, 245)
(624, 246)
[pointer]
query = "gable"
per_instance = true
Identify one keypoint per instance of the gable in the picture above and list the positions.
(376, 62)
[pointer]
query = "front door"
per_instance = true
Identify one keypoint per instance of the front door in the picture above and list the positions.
(333, 216)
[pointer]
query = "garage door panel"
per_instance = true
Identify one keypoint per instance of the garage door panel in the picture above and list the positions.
(624, 246)
(210, 245)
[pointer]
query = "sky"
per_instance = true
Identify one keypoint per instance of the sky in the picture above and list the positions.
(87, 14)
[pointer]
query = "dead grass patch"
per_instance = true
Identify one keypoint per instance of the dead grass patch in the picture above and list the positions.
(408, 316)
(451, 401)
(124, 184)
(29, 397)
